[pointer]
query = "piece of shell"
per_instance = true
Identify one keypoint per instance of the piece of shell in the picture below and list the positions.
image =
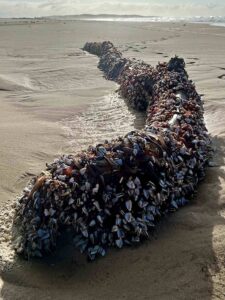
(137, 182)
(115, 228)
(84, 210)
(150, 217)
(87, 186)
(146, 193)
(119, 243)
(120, 234)
(99, 218)
(131, 184)
(46, 212)
(71, 201)
(52, 211)
(95, 189)
(128, 217)
(118, 220)
(128, 205)
(174, 204)
(101, 151)
(173, 120)
(96, 204)
(83, 171)
(101, 251)
(43, 234)
(84, 232)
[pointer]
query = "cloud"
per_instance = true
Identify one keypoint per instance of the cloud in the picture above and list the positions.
(32, 8)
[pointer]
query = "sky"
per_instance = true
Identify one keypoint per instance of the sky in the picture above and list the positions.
(175, 8)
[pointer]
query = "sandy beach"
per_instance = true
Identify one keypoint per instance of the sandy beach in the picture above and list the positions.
(54, 100)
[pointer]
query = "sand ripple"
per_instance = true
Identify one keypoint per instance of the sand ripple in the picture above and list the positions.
(106, 118)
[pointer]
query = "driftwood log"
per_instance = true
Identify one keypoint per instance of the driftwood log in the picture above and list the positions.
(114, 193)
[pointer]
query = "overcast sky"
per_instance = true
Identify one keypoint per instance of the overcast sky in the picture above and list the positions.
(32, 8)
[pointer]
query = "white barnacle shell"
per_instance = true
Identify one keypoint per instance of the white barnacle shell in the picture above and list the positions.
(115, 228)
(62, 177)
(137, 192)
(107, 211)
(128, 204)
(84, 210)
(150, 217)
(174, 204)
(56, 196)
(72, 180)
(162, 183)
(83, 171)
(46, 212)
(137, 182)
(96, 204)
(92, 223)
(135, 152)
(130, 184)
(102, 251)
(52, 211)
(99, 218)
(119, 243)
(118, 220)
(120, 234)
(126, 227)
(75, 215)
(71, 201)
(128, 217)
(67, 220)
(68, 161)
(101, 151)
(87, 186)
(82, 188)
(26, 190)
(146, 193)
(84, 232)
(104, 238)
(173, 120)
(95, 189)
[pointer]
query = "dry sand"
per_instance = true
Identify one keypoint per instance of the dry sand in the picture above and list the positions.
(53, 99)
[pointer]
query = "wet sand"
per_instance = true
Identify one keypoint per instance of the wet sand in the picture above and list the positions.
(54, 100)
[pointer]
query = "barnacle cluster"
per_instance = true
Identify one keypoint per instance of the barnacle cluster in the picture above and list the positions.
(114, 193)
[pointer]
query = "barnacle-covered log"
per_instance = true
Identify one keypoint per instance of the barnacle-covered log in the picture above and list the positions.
(115, 192)
(134, 77)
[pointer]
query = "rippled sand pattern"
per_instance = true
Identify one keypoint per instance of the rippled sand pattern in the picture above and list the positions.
(106, 118)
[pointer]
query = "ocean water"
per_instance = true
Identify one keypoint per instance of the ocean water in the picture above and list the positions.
(213, 20)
